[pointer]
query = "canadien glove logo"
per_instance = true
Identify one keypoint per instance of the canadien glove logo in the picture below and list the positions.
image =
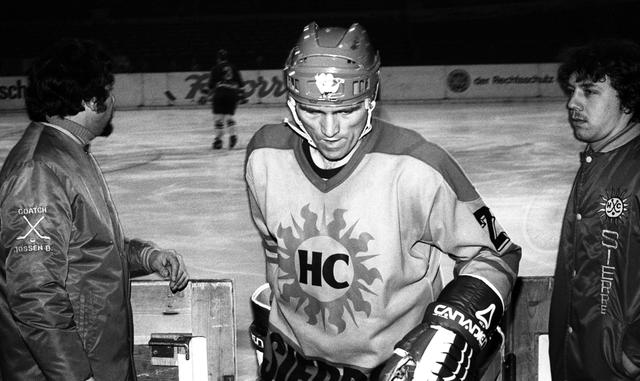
(323, 268)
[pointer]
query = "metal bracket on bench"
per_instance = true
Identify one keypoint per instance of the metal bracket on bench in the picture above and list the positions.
(165, 347)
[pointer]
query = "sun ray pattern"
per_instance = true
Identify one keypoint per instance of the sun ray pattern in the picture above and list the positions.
(323, 268)
(614, 206)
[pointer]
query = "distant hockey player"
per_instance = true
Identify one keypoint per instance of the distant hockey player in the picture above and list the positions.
(225, 87)
(354, 214)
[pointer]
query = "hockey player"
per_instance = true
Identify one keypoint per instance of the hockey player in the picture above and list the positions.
(354, 215)
(225, 87)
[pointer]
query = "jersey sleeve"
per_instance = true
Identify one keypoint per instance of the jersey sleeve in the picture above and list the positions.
(238, 77)
(269, 243)
(36, 226)
(461, 225)
(214, 78)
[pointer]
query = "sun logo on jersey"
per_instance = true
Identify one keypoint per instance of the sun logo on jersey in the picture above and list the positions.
(614, 206)
(322, 268)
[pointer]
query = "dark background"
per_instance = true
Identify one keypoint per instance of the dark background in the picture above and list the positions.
(184, 35)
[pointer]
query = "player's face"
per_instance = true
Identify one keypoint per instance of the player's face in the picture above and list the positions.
(595, 112)
(335, 130)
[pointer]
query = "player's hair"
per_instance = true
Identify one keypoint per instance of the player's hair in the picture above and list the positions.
(69, 72)
(616, 59)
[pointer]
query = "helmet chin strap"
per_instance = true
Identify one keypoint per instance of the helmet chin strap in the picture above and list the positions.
(298, 127)
(367, 127)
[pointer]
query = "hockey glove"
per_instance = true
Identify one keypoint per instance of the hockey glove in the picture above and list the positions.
(449, 344)
(260, 308)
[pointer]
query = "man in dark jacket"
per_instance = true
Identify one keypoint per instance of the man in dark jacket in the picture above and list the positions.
(594, 327)
(65, 311)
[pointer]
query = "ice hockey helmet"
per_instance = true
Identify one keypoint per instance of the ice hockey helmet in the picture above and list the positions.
(332, 66)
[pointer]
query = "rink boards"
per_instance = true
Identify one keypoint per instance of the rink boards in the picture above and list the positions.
(526, 326)
(205, 308)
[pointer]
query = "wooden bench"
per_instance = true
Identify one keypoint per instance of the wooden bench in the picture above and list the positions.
(205, 308)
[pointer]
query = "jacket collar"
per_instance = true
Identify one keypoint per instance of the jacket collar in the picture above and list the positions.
(81, 134)
(624, 137)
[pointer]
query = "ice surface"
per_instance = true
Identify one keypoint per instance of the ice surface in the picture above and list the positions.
(170, 187)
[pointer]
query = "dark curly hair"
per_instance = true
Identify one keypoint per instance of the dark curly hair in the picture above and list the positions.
(69, 72)
(619, 60)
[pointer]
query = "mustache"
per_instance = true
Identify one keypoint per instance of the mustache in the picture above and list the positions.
(575, 114)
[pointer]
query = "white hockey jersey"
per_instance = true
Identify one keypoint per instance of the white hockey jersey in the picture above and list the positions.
(353, 261)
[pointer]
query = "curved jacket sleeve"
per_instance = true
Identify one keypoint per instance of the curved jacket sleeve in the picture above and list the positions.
(137, 252)
(36, 225)
(631, 343)
(630, 278)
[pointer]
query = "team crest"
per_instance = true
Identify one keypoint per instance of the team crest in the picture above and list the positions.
(327, 84)
(614, 206)
(323, 268)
